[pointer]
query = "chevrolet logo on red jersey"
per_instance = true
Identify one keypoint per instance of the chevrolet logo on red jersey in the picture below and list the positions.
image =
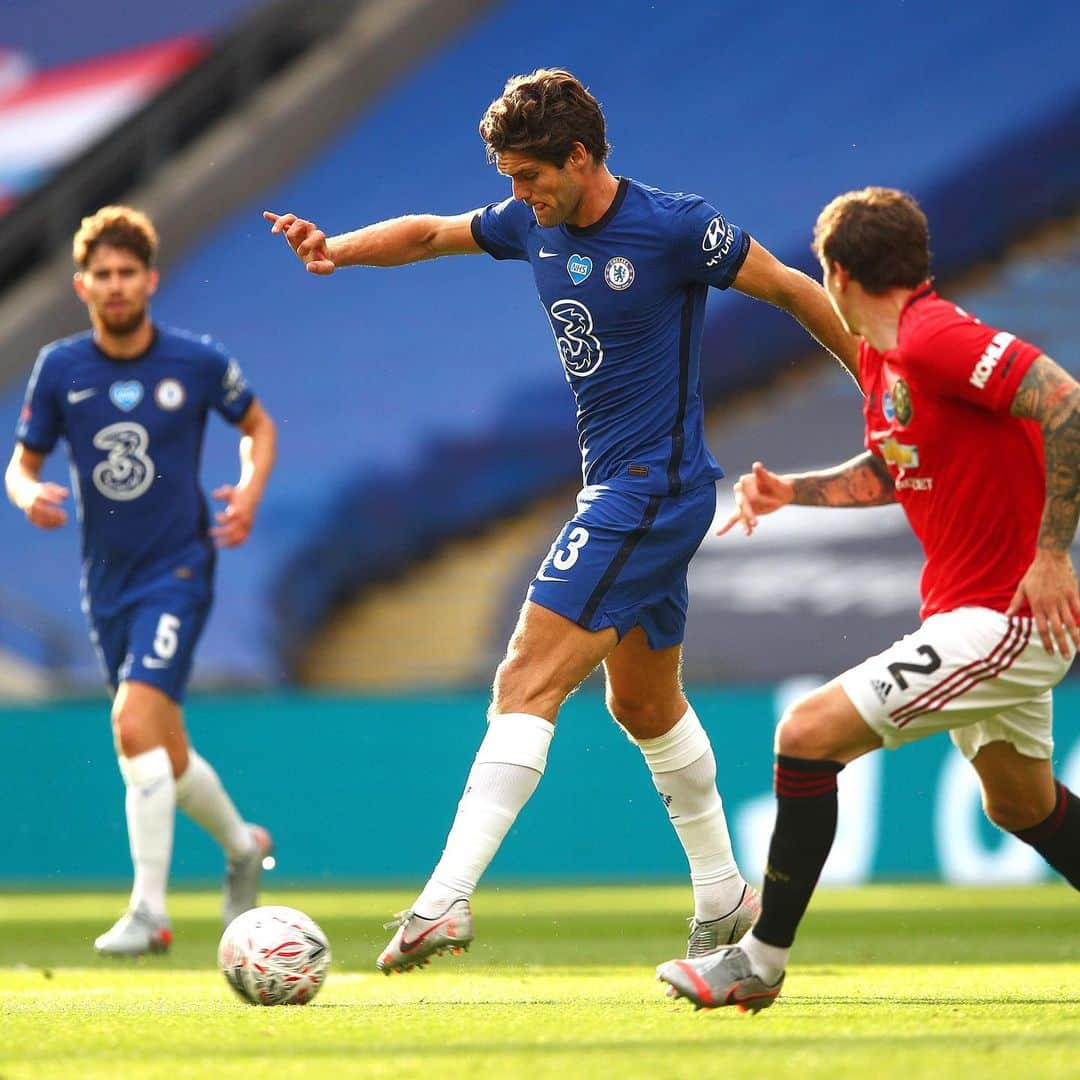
(902, 455)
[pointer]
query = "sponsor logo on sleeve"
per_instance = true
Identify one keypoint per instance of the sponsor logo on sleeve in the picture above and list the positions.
(233, 382)
(717, 241)
(988, 361)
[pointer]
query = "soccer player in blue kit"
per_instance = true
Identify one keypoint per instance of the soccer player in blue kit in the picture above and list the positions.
(131, 400)
(622, 271)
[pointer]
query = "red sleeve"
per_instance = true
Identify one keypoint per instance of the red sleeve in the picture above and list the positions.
(960, 357)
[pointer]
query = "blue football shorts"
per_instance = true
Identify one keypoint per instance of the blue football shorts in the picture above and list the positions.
(152, 640)
(621, 561)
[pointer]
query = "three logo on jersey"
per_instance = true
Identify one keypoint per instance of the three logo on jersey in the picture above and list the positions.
(572, 321)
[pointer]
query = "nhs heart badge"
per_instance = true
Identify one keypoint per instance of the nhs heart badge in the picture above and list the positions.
(579, 267)
(126, 395)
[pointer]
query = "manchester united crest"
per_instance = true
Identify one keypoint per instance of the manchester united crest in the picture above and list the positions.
(901, 401)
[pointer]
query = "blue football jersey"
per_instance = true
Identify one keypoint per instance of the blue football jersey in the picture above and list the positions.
(625, 297)
(134, 431)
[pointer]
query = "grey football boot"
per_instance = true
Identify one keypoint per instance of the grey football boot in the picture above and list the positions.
(136, 933)
(707, 937)
(242, 876)
(418, 939)
(722, 978)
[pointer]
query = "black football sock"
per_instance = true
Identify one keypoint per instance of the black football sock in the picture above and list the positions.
(801, 840)
(1057, 839)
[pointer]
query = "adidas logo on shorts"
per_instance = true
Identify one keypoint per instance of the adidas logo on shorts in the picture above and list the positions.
(881, 688)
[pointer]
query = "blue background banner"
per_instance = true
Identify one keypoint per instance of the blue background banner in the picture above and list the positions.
(363, 790)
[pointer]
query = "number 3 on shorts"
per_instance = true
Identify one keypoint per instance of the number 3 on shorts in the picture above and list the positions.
(165, 637)
(563, 560)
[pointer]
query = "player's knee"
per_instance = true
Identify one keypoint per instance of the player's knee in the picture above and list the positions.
(629, 711)
(1015, 811)
(127, 732)
(805, 732)
(522, 685)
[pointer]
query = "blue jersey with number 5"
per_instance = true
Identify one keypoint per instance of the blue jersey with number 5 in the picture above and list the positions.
(134, 430)
(626, 301)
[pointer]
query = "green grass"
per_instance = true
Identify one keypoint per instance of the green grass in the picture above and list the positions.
(892, 981)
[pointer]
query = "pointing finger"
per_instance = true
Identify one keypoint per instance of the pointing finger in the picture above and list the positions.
(726, 527)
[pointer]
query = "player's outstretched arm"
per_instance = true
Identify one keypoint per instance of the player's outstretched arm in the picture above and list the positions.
(396, 242)
(258, 450)
(39, 500)
(1051, 396)
(863, 481)
(764, 277)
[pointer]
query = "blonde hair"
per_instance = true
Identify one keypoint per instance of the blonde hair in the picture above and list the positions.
(119, 227)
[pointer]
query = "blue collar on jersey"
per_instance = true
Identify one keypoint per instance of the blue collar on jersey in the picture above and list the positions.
(609, 213)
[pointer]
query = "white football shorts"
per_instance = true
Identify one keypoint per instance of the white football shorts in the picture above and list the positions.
(973, 672)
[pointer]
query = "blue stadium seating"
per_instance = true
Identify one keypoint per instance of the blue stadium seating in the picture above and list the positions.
(418, 402)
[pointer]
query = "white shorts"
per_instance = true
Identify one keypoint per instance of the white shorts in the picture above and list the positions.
(973, 672)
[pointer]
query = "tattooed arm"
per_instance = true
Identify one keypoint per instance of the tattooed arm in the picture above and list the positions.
(1051, 396)
(863, 481)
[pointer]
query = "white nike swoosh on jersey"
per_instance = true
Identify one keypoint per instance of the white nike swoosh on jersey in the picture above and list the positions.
(541, 576)
(548, 254)
(75, 396)
(153, 662)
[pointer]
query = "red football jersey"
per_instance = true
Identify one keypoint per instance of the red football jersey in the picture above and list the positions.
(970, 477)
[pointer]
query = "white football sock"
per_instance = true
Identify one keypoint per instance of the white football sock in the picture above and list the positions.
(151, 812)
(768, 961)
(684, 771)
(200, 794)
(505, 772)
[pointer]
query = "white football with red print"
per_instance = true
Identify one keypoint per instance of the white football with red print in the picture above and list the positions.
(274, 956)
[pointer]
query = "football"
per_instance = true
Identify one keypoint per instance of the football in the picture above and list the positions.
(274, 956)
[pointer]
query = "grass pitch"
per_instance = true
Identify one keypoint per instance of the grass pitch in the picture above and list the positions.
(894, 981)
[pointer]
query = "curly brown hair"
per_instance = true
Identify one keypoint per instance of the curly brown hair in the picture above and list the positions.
(118, 227)
(879, 235)
(543, 115)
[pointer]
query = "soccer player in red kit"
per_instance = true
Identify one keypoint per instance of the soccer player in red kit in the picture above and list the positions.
(977, 435)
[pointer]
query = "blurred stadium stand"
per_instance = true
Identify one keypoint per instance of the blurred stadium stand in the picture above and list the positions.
(421, 404)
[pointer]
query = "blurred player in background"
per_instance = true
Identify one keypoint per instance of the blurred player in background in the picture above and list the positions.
(131, 400)
(977, 435)
(623, 271)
